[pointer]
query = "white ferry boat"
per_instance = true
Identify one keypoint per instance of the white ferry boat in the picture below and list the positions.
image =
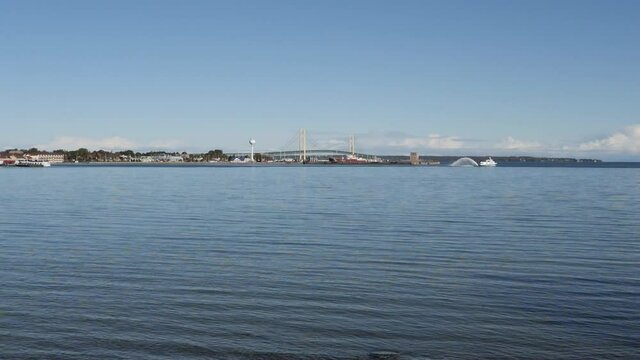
(32, 163)
(488, 162)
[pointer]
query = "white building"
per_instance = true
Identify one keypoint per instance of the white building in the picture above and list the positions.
(52, 158)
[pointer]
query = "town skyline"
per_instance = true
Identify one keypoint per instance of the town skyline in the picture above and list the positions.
(439, 78)
(119, 144)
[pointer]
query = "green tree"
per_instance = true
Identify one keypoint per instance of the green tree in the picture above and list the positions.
(82, 154)
(214, 154)
(219, 154)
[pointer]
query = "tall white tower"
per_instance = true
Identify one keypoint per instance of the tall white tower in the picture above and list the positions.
(302, 144)
(252, 142)
(352, 145)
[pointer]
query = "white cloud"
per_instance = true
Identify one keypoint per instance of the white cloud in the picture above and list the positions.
(72, 143)
(113, 143)
(521, 145)
(327, 143)
(432, 141)
(625, 141)
(170, 144)
(390, 142)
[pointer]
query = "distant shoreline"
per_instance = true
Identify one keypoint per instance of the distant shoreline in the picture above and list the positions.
(389, 164)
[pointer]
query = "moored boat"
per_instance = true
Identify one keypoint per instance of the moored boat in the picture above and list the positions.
(353, 159)
(489, 162)
(32, 163)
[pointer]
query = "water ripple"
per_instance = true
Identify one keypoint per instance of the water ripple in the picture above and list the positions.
(319, 263)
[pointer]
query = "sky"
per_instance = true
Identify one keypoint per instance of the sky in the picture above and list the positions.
(538, 78)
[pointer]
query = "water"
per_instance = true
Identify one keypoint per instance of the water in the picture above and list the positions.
(319, 262)
(465, 161)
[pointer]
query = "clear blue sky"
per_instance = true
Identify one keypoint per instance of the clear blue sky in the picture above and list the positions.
(439, 77)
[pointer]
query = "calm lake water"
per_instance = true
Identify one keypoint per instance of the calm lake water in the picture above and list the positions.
(319, 262)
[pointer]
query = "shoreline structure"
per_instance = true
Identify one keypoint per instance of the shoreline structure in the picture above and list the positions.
(217, 157)
(302, 155)
(382, 161)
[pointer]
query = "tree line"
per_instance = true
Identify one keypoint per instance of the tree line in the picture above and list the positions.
(85, 155)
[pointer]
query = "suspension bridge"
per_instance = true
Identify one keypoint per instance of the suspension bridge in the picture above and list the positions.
(303, 148)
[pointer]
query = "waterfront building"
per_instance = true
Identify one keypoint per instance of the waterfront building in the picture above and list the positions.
(51, 158)
(414, 158)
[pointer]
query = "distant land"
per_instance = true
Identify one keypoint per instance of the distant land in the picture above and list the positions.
(83, 155)
(499, 159)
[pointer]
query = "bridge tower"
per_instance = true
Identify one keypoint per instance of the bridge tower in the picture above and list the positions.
(302, 145)
(352, 145)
